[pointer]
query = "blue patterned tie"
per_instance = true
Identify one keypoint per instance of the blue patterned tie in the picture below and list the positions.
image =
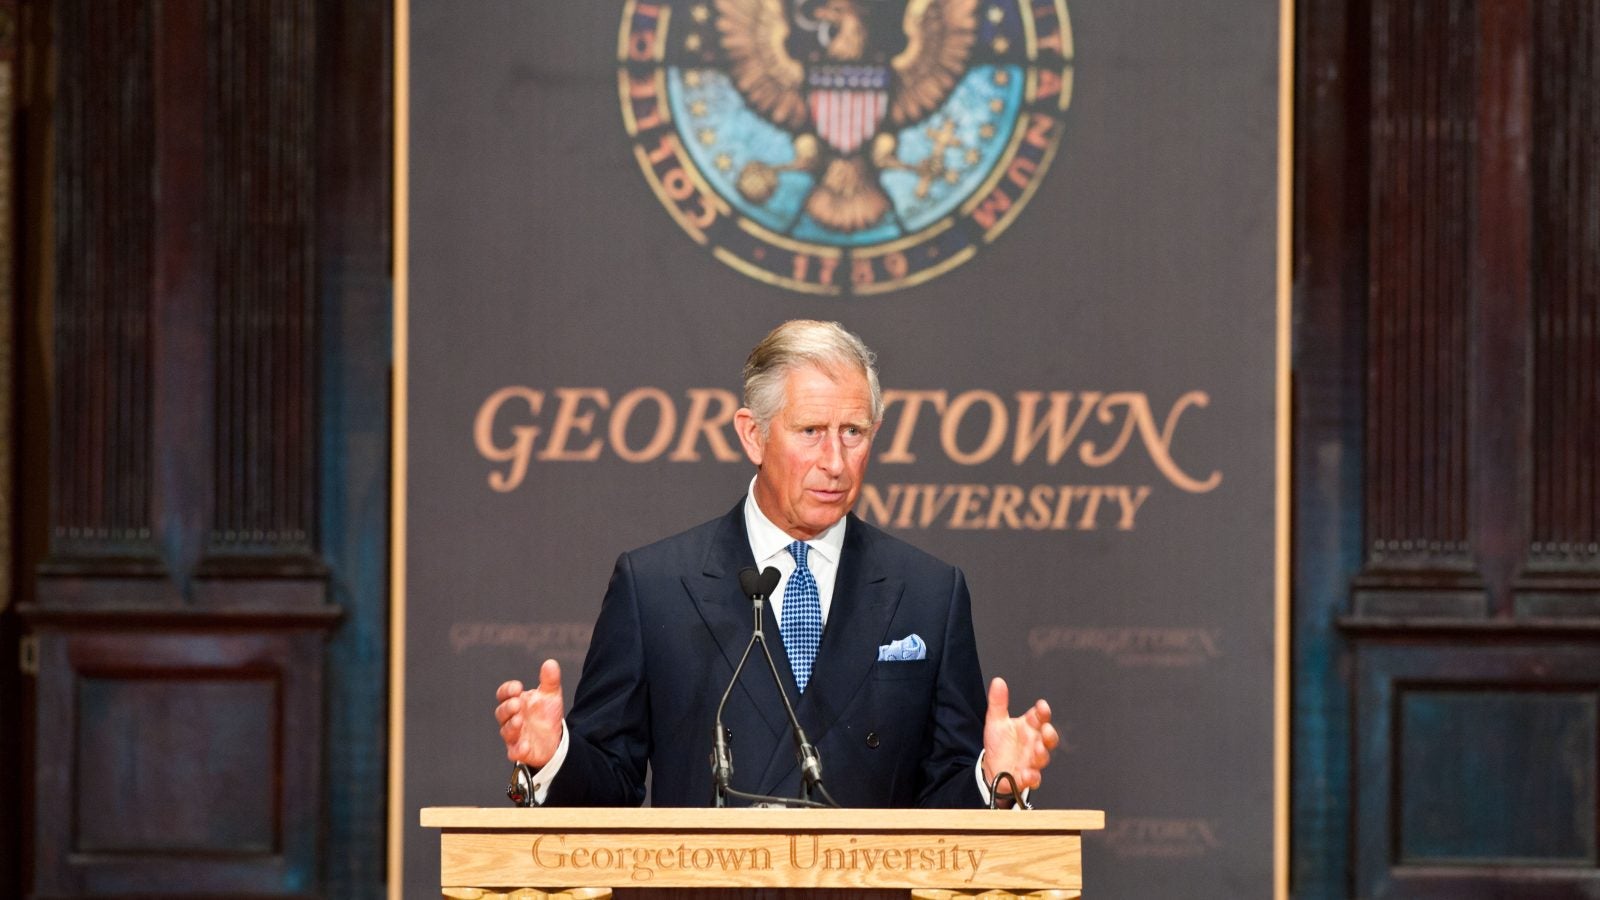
(802, 617)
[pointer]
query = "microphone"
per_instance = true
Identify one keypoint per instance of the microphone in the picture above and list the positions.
(761, 585)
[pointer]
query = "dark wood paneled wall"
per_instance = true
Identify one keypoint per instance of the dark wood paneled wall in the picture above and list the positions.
(1447, 438)
(262, 165)
(12, 723)
(102, 479)
(207, 595)
(1562, 562)
(1422, 129)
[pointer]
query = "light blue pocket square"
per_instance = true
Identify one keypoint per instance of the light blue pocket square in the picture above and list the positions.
(908, 647)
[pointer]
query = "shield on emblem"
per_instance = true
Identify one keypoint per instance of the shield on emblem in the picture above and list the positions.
(848, 103)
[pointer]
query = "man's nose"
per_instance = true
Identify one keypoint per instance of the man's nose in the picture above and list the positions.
(832, 459)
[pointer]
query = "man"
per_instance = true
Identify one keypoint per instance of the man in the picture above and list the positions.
(891, 732)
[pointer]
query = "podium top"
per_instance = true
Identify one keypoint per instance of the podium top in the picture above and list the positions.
(755, 820)
(845, 849)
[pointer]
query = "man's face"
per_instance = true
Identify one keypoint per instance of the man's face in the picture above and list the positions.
(814, 455)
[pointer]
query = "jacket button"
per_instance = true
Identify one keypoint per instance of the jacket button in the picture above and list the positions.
(872, 739)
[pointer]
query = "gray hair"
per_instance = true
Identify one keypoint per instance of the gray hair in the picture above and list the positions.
(798, 343)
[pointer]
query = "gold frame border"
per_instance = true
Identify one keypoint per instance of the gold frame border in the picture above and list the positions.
(395, 864)
(1282, 435)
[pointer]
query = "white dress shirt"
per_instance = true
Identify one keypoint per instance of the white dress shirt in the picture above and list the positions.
(769, 545)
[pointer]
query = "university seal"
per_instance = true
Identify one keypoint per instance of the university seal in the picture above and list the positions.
(844, 146)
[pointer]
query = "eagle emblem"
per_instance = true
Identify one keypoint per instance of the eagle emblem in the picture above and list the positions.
(845, 146)
(830, 72)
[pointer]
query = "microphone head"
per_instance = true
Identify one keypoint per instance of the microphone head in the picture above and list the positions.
(769, 580)
(750, 582)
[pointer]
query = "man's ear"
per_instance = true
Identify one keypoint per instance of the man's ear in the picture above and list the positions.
(744, 422)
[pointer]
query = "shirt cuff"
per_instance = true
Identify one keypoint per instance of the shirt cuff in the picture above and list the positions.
(547, 772)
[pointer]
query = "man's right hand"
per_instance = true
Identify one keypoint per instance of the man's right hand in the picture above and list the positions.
(530, 721)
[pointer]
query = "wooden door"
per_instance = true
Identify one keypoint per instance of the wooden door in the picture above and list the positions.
(203, 492)
(1446, 741)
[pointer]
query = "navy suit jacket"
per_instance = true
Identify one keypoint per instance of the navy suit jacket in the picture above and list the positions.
(673, 626)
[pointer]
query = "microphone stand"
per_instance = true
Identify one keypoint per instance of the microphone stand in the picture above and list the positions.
(805, 752)
(721, 753)
(757, 588)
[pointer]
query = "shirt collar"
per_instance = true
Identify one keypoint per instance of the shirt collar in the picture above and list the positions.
(768, 540)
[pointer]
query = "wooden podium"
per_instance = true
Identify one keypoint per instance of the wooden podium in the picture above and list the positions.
(933, 853)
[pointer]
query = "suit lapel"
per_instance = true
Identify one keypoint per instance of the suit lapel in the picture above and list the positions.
(864, 602)
(726, 612)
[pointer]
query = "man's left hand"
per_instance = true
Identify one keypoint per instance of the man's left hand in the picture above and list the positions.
(1018, 745)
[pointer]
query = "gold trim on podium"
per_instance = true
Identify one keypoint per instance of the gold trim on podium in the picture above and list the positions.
(527, 894)
(941, 894)
(936, 854)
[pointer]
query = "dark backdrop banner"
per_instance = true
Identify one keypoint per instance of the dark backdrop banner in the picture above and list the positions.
(1054, 220)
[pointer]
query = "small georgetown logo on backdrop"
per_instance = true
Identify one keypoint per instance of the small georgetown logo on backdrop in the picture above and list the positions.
(844, 146)
(1172, 838)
